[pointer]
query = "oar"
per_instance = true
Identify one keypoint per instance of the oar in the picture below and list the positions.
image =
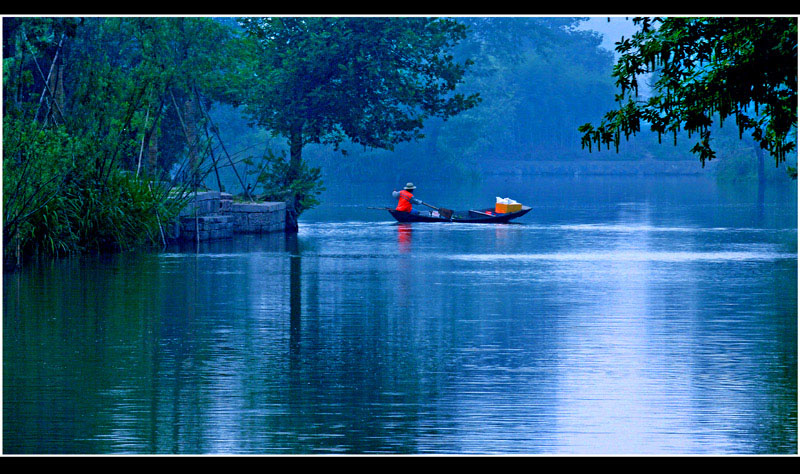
(446, 213)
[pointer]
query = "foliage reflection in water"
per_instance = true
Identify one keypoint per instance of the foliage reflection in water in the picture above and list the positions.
(642, 324)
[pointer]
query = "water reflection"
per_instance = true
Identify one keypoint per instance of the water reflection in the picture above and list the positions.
(638, 325)
(295, 298)
(617, 404)
(404, 230)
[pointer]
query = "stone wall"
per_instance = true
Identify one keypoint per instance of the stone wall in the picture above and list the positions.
(258, 217)
(211, 227)
(213, 215)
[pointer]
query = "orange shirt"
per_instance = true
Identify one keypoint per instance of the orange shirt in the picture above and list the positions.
(404, 202)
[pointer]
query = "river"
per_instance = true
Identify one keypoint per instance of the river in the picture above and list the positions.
(620, 316)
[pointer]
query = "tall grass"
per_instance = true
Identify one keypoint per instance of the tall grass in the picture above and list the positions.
(54, 202)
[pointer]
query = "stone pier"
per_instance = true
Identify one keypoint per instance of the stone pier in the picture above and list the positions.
(213, 215)
(256, 218)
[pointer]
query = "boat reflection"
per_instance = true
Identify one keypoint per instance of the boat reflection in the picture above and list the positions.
(404, 237)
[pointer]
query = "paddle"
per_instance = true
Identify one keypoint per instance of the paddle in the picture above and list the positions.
(446, 213)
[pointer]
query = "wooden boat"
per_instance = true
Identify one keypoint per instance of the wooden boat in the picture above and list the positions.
(480, 216)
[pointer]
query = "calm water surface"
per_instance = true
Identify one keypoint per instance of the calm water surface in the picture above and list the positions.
(620, 316)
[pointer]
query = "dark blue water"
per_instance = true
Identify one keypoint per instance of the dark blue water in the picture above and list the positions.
(620, 316)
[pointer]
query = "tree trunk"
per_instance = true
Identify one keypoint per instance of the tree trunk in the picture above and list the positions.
(295, 161)
(761, 182)
(760, 155)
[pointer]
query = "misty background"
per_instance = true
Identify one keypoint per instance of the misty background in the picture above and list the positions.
(539, 79)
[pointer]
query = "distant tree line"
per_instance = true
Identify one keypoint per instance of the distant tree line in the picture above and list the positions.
(539, 79)
(544, 80)
(109, 123)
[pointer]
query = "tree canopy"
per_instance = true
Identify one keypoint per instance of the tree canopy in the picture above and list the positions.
(372, 81)
(706, 67)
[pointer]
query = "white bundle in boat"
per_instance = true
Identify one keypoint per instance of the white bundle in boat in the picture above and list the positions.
(504, 205)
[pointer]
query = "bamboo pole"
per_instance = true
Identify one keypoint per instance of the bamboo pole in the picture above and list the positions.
(46, 84)
(208, 139)
(216, 132)
(141, 147)
(158, 218)
(47, 80)
(185, 132)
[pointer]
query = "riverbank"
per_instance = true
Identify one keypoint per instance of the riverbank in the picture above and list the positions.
(645, 167)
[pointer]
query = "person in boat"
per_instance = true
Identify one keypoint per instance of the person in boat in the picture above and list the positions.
(405, 199)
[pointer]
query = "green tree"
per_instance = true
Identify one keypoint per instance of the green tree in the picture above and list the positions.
(539, 79)
(83, 97)
(373, 81)
(706, 67)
